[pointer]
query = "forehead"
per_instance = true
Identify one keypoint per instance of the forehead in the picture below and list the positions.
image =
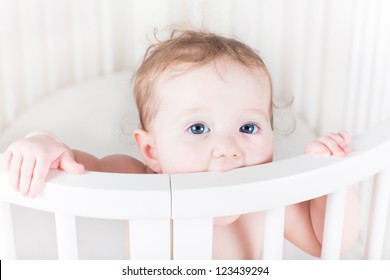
(227, 80)
(221, 67)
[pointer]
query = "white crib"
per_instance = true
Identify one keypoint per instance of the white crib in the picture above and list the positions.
(58, 56)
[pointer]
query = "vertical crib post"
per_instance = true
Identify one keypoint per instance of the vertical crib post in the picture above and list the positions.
(150, 239)
(7, 243)
(107, 37)
(193, 239)
(273, 234)
(66, 236)
(333, 224)
(378, 215)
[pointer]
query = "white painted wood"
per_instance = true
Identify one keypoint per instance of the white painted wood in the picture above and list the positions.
(273, 234)
(107, 36)
(99, 195)
(10, 94)
(7, 242)
(143, 198)
(379, 218)
(150, 239)
(192, 239)
(66, 236)
(380, 69)
(77, 34)
(333, 225)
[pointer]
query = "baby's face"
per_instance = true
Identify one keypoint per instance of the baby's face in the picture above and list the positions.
(211, 120)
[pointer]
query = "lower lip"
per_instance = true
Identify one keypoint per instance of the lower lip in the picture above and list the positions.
(225, 170)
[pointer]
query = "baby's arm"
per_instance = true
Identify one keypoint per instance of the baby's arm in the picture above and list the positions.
(113, 163)
(29, 160)
(305, 221)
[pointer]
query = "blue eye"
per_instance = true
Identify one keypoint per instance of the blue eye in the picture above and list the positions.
(198, 128)
(249, 128)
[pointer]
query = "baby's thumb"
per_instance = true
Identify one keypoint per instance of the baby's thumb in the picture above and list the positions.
(70, 165)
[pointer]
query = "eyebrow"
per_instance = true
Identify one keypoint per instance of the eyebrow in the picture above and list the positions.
(258, 112)
(197, 110)
(203, 110)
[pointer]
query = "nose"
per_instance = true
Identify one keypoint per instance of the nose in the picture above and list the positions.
(226, 147)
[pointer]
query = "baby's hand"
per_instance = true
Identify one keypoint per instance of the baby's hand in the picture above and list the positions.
(29, 160)
(333, 144)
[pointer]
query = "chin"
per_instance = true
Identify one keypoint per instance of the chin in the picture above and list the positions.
(225, 221)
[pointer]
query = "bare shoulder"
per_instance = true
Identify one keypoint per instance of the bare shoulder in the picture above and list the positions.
(113, 163)
(121, 164)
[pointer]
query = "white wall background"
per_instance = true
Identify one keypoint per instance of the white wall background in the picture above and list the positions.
(332, 55)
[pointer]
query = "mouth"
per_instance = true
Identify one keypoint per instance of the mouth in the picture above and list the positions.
(224, 169)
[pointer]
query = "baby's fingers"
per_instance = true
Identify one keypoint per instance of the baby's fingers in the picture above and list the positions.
(334, 145)
(41, 171)
(5, 161)
(14, 170)
(26, 174)
(318, 148)
(341, 139)
(69, 164)
(346, 138)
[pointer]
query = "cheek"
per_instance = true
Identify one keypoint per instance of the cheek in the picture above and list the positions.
(260, 152)
(259, 157)
(176, 157)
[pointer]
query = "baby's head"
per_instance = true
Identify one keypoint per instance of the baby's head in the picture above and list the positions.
(205, 104)
(190, 49)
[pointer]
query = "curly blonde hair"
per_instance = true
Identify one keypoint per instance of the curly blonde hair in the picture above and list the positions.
(196, 48)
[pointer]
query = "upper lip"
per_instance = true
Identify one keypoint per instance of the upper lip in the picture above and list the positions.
(224, 169)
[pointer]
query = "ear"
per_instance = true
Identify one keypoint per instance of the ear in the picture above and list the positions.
(146, 146)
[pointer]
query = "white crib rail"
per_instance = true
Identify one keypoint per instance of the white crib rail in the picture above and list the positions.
(66, 236)
(7, 242)
(274, 232)
(378, 215)
(149, 202)
(333, 224)
(101, 195)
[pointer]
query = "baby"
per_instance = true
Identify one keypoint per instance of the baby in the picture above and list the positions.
(205, 104)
